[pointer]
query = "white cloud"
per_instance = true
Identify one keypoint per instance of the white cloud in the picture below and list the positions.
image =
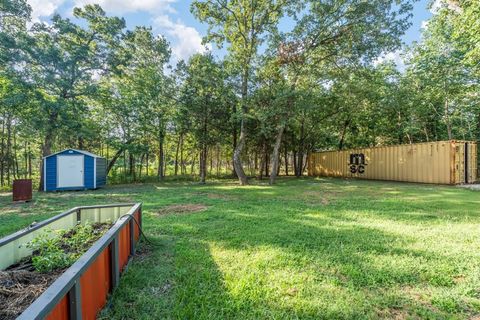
(435, 6)
(44, 8)
(124, 6)
(439, 4)
(424, 24)
(394, 56)
(187, 40)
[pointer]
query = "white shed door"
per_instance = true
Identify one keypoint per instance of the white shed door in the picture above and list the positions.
(70, 171)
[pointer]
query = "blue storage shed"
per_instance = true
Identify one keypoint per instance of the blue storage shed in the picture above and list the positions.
(73, 169)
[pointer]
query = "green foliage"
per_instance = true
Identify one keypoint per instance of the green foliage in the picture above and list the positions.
(91, 84)
(56, 250)
(48, 253)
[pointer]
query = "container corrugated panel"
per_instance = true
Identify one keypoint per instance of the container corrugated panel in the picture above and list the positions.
(61, 310)
(442, 162)
(124, 252)
(95, 285)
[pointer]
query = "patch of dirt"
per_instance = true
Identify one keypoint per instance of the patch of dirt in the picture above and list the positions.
(160, 291)
(316, 197)
(399, 314)
(143, 252)
(475, 187)
(292, 292)
(19, 288)
(182, 209)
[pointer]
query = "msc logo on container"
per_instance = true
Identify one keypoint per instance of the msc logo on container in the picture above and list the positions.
(357, 163)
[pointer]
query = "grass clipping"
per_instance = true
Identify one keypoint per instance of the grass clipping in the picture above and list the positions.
(19, 288)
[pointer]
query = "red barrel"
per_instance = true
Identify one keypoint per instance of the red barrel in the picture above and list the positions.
(22, 190)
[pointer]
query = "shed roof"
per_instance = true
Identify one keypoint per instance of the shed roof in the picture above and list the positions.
(79, 151)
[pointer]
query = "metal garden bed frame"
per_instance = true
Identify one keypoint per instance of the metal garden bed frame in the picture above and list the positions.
(68, 286)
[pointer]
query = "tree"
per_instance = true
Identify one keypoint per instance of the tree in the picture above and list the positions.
(137, 97)
(63, 59)
(203, 100)
(436, 64)
(335, 34)
(243, 25)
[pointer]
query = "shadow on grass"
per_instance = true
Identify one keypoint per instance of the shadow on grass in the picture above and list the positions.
(332, 271)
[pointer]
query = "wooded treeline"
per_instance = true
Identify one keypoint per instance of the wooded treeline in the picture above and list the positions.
(89, 83)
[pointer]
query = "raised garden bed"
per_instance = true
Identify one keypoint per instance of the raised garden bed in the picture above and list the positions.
(81, 290)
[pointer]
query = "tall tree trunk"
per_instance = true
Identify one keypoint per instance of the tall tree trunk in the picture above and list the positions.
(234, 139)
(204, 151)
(267, 163)
(147, 162)
(15, 156)
(124, 165)
(25, 157)
(141, 166)
(295, 163)
(237, 154)
(180, 137)
(160, 172)
(80, 143)
(47, 145)
(263, 160)
(276, 154)
(286, 159)
(29, 162)
(46, 150)
(131, 164)
(2, 154)
(447, 121)
(160, 160)
(344, 132)
(8, 154)
(203, 163)
(117, 155)
(182, 160)
(301, 150)
(217, 162)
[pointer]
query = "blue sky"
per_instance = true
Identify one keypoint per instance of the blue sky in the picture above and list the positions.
(173, 19)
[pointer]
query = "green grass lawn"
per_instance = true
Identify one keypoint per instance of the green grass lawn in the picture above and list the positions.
(305, 248)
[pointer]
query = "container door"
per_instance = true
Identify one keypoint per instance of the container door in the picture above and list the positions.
(459, 163)
(70, 171)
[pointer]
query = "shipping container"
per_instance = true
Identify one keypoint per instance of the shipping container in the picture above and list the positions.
(441, 162)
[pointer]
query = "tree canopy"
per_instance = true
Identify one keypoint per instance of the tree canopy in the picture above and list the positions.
(274, 97)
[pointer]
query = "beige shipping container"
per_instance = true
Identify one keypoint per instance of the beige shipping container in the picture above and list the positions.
(442, 162)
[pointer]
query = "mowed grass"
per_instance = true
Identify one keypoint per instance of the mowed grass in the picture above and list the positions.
(303, 249)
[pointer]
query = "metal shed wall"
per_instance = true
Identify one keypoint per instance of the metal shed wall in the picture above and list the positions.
(101, 168)
(440, 162)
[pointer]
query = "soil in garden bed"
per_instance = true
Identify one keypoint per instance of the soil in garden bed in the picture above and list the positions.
(21, 283)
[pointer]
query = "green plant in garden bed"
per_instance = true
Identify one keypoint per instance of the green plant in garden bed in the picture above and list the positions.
(55, 250)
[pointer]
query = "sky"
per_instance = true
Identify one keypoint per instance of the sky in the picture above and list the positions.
(172, 18)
